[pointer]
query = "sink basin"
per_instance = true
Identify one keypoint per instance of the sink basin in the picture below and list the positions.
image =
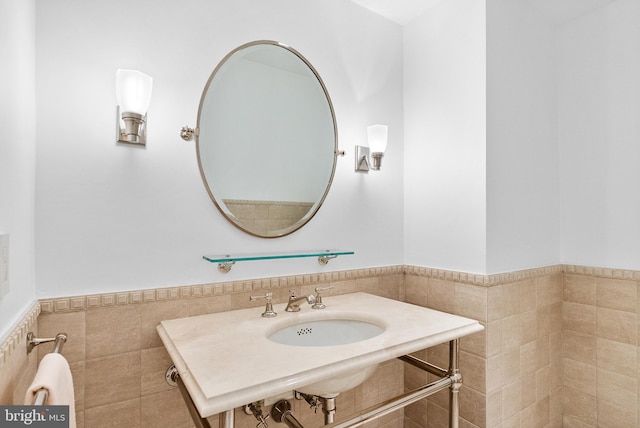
(330, 332)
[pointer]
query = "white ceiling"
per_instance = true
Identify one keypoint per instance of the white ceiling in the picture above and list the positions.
(556, 11)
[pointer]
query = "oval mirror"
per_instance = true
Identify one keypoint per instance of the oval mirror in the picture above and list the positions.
(267, 139)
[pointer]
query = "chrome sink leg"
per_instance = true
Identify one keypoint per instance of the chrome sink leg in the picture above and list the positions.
(456, 382)
(227, 419)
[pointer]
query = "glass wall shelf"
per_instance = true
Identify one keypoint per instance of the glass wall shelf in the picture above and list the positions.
(226, 262)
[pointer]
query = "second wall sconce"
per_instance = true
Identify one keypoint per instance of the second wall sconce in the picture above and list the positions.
(370, 158)
(133, 91)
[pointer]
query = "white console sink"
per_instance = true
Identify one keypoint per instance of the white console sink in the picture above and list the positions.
(230, 359)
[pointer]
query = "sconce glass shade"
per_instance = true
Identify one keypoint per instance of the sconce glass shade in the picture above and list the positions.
(133, 92)
(377, 136)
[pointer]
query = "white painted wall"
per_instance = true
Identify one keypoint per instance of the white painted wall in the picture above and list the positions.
(599, 111)
(522, 139)
(113, 217)
(445, 137)
(17, 154)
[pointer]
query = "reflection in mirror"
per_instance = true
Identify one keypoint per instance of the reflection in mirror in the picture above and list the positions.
(266, 139)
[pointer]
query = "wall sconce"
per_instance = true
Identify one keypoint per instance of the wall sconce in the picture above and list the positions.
(133, 91)
(377, 137)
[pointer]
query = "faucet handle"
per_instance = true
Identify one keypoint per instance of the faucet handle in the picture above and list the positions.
(268, 310)
(318, 304)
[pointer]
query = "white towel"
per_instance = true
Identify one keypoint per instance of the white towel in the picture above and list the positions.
(54, 374)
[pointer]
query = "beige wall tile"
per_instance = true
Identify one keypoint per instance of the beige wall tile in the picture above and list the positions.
(527, 290)
(473, 406)
(473, 369)
(580, 289)
(495, 373)
(496, 302)
(494, 338)
(512, 294)
(542, 383)
(107, 327)
(542, 352)
(527, 390)
(116, 415)
(615, 356)
(617, 294)
(620, 326)
(165, 410)
(494, 409)
(529, 326)
(78, 374)
(511, 332)
(441, 295)
(438, 416)
(612, 415)
(511, 366)
(529, 358)
(579, 406)
(579, 317)
(617, 388)
(152, 313)
(579, 346)
(211, 305)
(542, 412)
(471, 301)
(511, 399)
(100, 387)
(549, 319)
(548, 290)
(555, 408)
(580, 376)
(475, 343)
(569, 422)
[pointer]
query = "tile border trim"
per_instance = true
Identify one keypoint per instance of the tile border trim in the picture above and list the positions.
(483, 280)
(82, 303)
(17, 338)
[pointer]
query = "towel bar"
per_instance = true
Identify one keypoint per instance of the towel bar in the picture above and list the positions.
(59, 340)
(32, 342)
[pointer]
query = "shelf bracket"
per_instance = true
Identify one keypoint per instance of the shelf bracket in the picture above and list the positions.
(323, 260)
(225, 267)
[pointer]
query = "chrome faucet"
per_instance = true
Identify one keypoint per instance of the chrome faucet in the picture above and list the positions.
(294, 302)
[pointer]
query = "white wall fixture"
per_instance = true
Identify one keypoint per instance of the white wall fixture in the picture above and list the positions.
(4, 264)
(370, 158)
(133, 92)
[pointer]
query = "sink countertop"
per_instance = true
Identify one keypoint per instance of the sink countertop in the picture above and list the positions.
(226, 360)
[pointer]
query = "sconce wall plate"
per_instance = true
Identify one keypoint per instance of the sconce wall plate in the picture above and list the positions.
(362, 159)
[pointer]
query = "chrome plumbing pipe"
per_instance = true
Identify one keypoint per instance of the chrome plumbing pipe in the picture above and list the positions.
(328, 409)
(281, 412)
